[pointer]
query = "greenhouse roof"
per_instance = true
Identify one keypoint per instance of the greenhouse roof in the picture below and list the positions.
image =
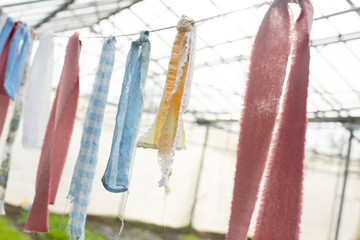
(223, 49)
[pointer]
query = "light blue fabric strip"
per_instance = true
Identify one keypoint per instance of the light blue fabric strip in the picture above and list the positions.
(16, 60)
(5, 32)
(116, 176)
(84, 172)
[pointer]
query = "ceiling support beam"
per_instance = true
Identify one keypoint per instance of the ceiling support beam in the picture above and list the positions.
(344, 120)
(53, 13)
(23, 3)
(352, 9)
(335, 39)
(117, 10)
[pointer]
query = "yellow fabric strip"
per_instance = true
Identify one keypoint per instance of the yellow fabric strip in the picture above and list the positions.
(167, 133)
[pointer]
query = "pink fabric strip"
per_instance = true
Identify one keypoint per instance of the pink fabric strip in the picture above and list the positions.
(280, 212)
(266, 75)
(57, 139)
(4, 99)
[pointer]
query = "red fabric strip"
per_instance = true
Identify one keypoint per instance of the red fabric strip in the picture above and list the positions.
(57, 139)
(266, 75)
(280, 212)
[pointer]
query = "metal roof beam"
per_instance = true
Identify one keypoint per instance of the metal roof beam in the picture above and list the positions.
(352, 120)
(75, 6)
(66, 27)
(353, 9)
(24, 3)
(76, 17)
(350, 2)
(93, 4)
(53, 13)
(335, 39)
(118, 10)
(336, 119)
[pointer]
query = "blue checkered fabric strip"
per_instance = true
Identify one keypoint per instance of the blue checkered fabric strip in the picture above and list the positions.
(84, 172)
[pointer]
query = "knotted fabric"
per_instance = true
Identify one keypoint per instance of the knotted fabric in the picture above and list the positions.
(57, 139)
(116, 176)
(167, 132)
(280, 213)
(38, 92)
(84, 172)
(10, 139)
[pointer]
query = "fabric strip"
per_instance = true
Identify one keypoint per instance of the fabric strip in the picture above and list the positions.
(280, 212)
(264, 86)
(14, 126)
(57, 139)
(167, 133)
(84, 172)
(38, 92)
(116, 176)
(6, 36)
(5, 32)
(18, 51)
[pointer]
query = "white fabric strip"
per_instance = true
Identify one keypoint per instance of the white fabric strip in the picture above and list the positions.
(38, 91)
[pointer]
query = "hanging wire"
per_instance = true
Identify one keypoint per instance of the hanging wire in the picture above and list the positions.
(171, 27)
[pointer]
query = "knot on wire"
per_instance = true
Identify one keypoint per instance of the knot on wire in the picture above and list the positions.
(185, 24)
(110, 39)
(144, 36)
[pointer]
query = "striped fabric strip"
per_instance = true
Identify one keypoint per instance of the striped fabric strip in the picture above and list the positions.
(116, 176)
(167, 133)
(57, 139)
(84, 172)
